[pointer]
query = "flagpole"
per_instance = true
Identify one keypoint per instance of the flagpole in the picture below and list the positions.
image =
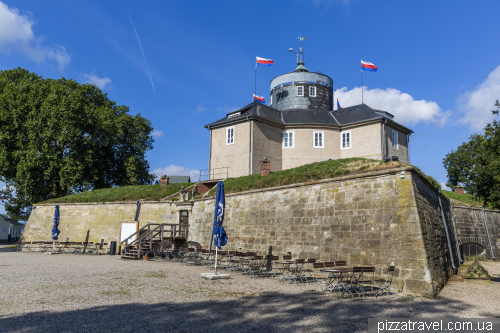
(362, 86)
(255, 91)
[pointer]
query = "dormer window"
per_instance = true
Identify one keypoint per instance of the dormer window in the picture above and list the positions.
(312, 91)
(232, 115)
(300, 91)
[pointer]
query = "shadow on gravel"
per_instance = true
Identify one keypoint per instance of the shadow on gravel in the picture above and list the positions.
(267, 312)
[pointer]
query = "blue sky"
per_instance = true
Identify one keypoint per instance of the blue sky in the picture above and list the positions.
(438, 61)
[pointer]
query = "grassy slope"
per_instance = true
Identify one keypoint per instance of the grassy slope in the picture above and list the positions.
(305, 173)
(465, 198)
(123, 193)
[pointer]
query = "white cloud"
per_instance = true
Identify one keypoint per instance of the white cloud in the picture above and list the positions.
(200, 109)
(16, 36)
(101, 82)
(477, 104)
(157, 134)
(176, 170)
(403, 106)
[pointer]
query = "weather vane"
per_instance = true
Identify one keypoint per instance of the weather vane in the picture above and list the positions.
(300, 50)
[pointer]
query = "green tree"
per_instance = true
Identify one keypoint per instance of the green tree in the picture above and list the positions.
(59, 137)
(476, 164)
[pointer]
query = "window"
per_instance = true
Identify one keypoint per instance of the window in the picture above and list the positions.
(230, 135)
(345, 140)
(300, 91)
(312, 91)
(288, 140)
(318, 139)
(236, 114)
(395, 139)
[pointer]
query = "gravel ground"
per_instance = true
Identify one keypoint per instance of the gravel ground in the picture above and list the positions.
(66, 293)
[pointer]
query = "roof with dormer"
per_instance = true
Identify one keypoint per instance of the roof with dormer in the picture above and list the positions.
(343, 117)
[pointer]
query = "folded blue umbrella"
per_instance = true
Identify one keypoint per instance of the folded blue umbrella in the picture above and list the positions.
(55, 231)
(220, 236)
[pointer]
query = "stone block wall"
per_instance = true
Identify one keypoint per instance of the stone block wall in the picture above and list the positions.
(374, 219)
(102, 220)
(471, 228)
(437, 252)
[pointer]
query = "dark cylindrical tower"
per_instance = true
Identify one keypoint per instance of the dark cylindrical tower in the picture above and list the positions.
(302, 90)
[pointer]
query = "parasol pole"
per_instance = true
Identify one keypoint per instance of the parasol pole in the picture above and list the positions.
(216, 260)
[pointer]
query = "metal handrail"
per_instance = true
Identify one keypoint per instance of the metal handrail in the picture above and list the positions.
(211, 173)
(147, 225)
(173, 231)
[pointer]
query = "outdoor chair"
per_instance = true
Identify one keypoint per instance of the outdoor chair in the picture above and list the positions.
(352, 286)
(340, 264)
(309, 270)
(384, 285)
(222, 260)
(320, 277)
(283, 270)
(295, 271)
(255, 265)
(235, 261)
(367, 280)
(156, 251)
(268, 265)
(181, 254)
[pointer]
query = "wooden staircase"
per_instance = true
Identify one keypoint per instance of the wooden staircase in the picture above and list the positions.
(150, 236)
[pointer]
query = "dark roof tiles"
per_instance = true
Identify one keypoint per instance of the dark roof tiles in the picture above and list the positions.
(345, 116)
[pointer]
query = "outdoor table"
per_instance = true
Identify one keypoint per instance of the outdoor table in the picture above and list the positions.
(248, 260)
(283, 268)
(337, 278)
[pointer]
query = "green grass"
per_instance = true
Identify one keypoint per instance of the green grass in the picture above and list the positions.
(465, 198)
(123, 193)
(305, 173)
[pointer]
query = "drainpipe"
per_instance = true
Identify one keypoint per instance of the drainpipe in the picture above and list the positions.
(447, 234)
(455, 227)
(383, 139)
(488, 233)
(408, 140)
(249, 146)
(209, 155)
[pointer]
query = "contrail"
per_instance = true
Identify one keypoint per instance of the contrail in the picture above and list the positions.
(140, 45)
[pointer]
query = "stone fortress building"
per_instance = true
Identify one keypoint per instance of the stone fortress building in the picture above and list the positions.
(300, 126)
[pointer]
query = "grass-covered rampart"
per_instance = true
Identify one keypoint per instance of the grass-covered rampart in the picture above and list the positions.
(305, 173)
(123, 193)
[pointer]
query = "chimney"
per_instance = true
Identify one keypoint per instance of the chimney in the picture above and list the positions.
(164, 180)
(265, 167)
(459, 190)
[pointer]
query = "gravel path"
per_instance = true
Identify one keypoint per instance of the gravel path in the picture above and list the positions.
(75, 293)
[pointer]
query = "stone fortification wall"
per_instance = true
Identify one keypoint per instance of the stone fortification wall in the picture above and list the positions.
(102, 220)
(371, 221)
(471, 228)
(374, 219)
(435, 241)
